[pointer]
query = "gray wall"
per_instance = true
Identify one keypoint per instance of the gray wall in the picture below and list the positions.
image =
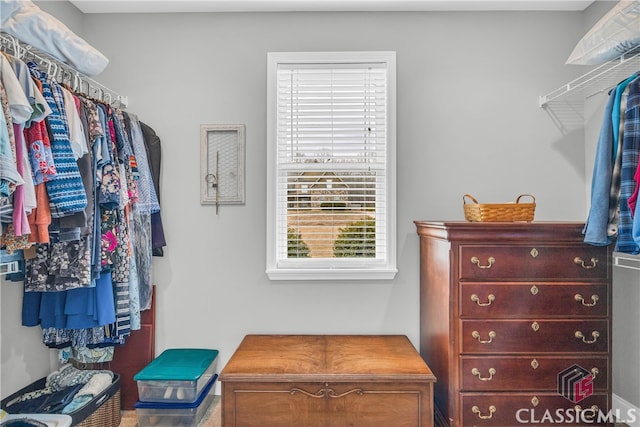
(468, 122)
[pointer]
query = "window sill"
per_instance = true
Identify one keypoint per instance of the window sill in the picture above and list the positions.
(331, 274)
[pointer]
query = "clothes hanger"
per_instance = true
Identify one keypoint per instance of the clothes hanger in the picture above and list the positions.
(16, 47)
(51, 66)
(76, 81)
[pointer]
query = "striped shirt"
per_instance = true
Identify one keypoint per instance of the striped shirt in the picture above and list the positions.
(66, 192)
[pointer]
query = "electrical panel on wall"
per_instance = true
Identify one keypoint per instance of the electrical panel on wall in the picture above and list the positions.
(222, 164)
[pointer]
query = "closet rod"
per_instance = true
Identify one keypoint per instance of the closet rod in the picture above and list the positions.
(61, 72)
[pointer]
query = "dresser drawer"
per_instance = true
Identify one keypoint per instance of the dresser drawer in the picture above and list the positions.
(534, 336)
(540, 409)
(497, 373)
(499, 299)
(520, 262)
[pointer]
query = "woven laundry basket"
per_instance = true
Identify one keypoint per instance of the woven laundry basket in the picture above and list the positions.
(101, 411)
(107, 415)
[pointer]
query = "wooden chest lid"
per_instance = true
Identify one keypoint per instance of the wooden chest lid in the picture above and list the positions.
(326, 358)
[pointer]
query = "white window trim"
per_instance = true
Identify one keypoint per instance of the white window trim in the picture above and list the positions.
(332, 269)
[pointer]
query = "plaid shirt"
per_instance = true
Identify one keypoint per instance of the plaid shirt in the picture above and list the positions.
(619, 107)
(630, 150)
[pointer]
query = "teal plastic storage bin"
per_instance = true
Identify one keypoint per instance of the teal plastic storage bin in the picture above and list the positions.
(176, 376)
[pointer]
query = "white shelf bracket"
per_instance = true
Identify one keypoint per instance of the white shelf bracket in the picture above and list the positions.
(626, 261)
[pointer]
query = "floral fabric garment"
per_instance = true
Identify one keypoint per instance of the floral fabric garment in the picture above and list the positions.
(70, 264)
(109, 228)
(58, 267)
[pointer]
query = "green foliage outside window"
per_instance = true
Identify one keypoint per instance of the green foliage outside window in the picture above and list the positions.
(356, 240)
(296, 247)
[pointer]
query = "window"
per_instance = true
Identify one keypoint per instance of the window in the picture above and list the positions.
(331, 166)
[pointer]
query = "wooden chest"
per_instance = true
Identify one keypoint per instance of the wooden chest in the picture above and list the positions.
(507, 312)
(326, 380)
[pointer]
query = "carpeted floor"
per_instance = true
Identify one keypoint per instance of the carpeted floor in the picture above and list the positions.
(212, 418)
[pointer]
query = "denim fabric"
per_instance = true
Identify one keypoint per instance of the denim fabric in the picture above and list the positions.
(595, 230)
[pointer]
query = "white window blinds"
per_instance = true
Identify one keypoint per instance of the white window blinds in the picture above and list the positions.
(331, 165)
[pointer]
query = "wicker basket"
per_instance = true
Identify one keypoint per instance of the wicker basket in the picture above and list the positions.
(101, 411)
(107, 415)
(495, 212)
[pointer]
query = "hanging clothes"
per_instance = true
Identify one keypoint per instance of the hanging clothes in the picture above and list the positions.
(614, 186)
(146, 206)
(9, 175)
(152, 144)
(78, 192)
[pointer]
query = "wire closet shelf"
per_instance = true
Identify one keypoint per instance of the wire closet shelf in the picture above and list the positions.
(61, 72)
(565, 104)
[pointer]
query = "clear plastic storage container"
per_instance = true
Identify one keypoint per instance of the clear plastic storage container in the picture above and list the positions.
(177, 375)
(176, 414)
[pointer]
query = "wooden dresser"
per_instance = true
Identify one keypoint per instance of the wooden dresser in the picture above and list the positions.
(515, 322)
(328, 381)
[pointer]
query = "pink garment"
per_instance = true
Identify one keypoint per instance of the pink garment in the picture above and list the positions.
(634, 197)
(20, 221)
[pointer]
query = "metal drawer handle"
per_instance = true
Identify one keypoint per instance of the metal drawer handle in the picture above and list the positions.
(476, 261)
(594, 409)
(476, 335)
(594, 334)
(490, 298)
(476, 410)
(580, 299)
(594, 372)
(476, 372)
(581, 263)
